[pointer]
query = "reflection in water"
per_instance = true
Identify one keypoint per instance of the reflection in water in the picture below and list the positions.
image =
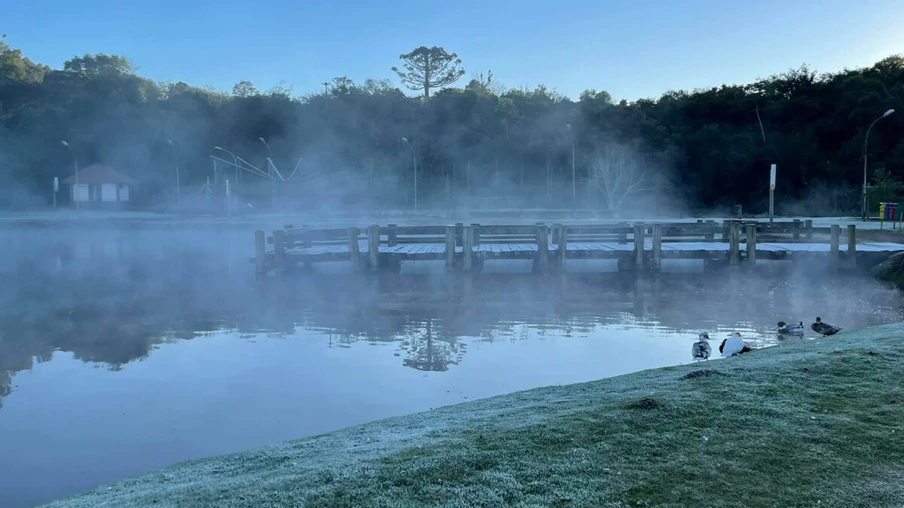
(112, 299)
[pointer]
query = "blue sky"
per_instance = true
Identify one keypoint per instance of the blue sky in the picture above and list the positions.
(632, 49)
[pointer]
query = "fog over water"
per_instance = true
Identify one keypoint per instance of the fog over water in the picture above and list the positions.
(124, 350)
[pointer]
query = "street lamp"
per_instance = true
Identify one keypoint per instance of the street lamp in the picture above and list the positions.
(176, 158)
(235, 164)
(865, 141)
(74, 163)
(414, 164)
(270, 170)
(574, 179)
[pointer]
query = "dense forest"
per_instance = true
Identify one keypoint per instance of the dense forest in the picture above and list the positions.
(482, 145)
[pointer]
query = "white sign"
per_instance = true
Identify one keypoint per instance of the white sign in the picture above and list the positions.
(772, 177)
(56, 184)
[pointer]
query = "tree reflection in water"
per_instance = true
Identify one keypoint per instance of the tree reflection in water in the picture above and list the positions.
(116, 309)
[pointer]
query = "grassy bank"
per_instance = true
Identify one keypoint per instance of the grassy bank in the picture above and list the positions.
(806, 423)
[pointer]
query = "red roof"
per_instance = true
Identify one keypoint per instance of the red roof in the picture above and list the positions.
(99, 174)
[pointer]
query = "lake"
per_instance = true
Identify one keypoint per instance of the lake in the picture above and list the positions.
(122, 351)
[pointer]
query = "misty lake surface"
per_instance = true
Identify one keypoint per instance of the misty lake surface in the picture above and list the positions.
(122, 351)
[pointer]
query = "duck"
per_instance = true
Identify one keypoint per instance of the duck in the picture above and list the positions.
(786, 329)
(823, 328)
(734, 345)
(701, 349)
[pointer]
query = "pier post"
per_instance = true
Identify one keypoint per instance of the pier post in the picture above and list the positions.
(638, 244)
(354, 250)
(373, 246)
(711, 234)
(657, 247)
(542, 248)
(459, 231)
(808, 227)
(852, 245)
(475, 234)
(450, 248)
(836, 240)
(751, 244)
(260, 252)
(734, 240)
(562, 245)
(279, 250)
(391, 239)
(622, 234)
(796, 229)
(467, 243)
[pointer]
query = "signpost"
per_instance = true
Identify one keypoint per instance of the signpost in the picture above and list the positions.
(771, 192)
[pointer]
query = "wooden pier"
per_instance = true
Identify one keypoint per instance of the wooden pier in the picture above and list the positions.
(638, 246)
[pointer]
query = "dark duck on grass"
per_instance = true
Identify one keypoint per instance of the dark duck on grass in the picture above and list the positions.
(701, 349)
(823, 328)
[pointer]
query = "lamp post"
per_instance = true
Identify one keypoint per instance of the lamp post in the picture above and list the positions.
(176, 159)
(414, 165)
(75, 164)
(270, 170)
(574, 179)
(235, 164)
(865, 141)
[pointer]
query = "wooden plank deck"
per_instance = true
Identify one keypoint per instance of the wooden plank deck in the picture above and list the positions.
(425, 249)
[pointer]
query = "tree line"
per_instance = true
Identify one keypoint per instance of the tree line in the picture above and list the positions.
(481, 144)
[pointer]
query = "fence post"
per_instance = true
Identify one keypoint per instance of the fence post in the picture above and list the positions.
(808, 226)
(391, 235)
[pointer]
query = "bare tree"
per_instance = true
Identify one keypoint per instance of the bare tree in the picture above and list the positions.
(427, 68)
(617, 173)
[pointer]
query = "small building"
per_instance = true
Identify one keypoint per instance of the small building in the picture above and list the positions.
(99, 186)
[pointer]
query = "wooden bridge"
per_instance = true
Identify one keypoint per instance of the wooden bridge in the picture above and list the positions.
(638, 246)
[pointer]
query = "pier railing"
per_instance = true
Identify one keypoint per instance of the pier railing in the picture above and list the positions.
(638, 245)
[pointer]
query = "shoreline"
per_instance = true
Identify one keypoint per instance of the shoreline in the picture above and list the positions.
(804, 422)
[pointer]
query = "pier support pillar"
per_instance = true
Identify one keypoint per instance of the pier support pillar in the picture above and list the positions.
(450, 248)
(354, 250)
(734, 244)
(562, 246)
(542, 259)
(260, 252)
(657, 247)
(279, 251)
(638, 244)
(751, 244)
(467, 244)
(852, 245)
(373, 246)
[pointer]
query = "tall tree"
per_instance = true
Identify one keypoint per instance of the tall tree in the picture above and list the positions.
(427, 68)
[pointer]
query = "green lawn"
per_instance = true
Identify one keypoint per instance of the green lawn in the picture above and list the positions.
(807, 423)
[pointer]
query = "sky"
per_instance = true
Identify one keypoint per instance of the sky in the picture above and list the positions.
(630, 48)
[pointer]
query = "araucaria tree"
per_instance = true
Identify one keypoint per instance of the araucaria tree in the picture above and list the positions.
(428, 68)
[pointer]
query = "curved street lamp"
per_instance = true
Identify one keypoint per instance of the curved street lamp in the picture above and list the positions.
(863, 212)
(235, 164)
